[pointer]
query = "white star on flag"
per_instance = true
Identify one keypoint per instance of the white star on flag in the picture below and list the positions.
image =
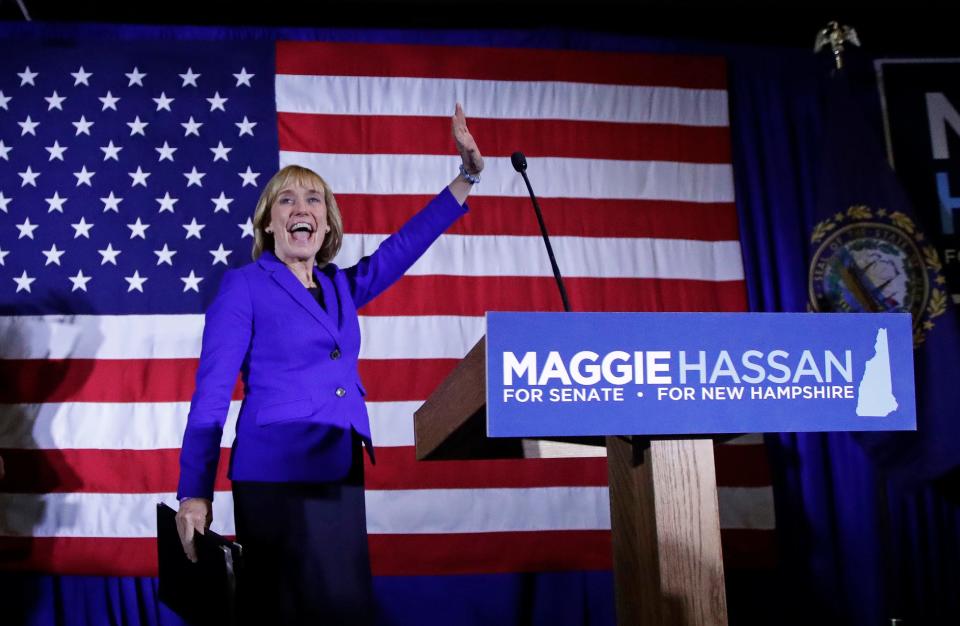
(109, 102)
(5, 151)
(4, 100)
(166, 152)
(83, 176)
(136, 281)
(80, 77)
(109, 255)
(136, 77)
(220, 152)
(191, 127)
(166, 202)
(139, 177)
(193, 229)
(81, 229)
(4, 202)
(246, 127)
(83, 126)
(165, 255)
(249, 177)
(221, 203)
(26, 77)
(3, 255)
(56, 151)
(111, 151)
(194, 177)
(26, 228)
(29, 177)
(111, 203)
(79, 281)
(55, 203)
(136, 127)
(220, 255)
(246, 228)
(54, 101)
(216, 102)
(163, 102)
(28, 126)
(191, 282)
(138, 229)
(189, 78)
(243, 78)
(53, 255)
(23, 283)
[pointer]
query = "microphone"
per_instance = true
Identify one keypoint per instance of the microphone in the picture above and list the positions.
(520, 164)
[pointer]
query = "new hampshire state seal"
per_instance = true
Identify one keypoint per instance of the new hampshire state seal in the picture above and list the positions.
(871, 260)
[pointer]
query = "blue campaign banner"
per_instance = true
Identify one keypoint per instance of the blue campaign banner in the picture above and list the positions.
(577, 374)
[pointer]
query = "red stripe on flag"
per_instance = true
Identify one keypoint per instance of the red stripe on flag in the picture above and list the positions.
(98, 471)
(99, 380)
(157, 471)
(564, 217)
(749, 548)
(397, 468)
(474, 295)
(390, 555)
(391, 134)
(466, 62)
(420, 377)
(487, 553)
(90, 556)
(172, 380)
(742, 465)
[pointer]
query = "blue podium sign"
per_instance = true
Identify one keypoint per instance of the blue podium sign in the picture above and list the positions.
(575, 374)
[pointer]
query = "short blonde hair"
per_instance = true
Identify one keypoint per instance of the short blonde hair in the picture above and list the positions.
(262, 240)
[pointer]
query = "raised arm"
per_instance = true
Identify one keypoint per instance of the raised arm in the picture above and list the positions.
(469, 155)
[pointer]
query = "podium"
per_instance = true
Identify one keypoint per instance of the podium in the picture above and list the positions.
(664, 517)
(692, 376)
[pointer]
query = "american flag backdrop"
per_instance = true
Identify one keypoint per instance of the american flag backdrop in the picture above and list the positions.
(128, 175)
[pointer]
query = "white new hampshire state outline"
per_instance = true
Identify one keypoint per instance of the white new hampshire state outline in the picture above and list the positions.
(875, 394)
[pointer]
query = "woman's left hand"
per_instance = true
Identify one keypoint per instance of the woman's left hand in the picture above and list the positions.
(466, 144)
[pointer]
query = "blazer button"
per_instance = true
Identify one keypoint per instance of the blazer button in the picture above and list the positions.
(341, 392)
(335, 354)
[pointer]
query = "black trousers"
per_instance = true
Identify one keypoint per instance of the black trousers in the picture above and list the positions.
(306, 557)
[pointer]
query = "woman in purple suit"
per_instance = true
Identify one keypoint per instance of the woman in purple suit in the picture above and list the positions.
(288, 323)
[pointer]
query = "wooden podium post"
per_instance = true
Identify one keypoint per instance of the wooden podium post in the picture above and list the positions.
(664, 518)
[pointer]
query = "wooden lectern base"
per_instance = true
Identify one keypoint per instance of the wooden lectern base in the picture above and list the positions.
(664, 517)
(667, 560)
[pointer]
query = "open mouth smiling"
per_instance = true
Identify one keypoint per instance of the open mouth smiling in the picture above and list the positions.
(301, 231)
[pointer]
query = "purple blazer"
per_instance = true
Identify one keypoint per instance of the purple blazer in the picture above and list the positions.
(302, 390)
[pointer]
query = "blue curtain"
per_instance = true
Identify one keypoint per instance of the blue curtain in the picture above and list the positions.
(855, 549)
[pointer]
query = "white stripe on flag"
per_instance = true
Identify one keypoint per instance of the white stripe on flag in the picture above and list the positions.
(595, 257)
(100, 336)
(746, 507)
(388, 512)
(178, 336)
(546, 508)
(160, 425)
(551, 177)
(419, 337)
(391, 423)
(432, 97)
(101, 425)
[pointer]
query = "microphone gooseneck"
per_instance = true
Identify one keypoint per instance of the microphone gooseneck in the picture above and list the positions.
(520, 164)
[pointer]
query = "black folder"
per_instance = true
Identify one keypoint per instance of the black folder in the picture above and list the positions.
(203, 592)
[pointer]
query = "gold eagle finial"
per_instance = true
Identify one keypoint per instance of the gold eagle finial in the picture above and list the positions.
(835, 36)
